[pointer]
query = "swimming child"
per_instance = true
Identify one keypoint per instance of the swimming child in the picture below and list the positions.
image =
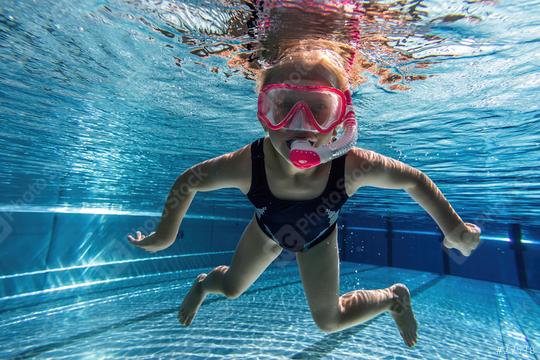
(298, 176)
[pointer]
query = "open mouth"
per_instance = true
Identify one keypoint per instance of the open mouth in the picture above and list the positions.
(290, 141)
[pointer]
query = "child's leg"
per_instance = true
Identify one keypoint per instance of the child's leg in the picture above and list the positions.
(254, 252)
(319, 270)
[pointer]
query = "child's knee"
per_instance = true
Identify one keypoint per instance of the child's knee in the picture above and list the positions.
(326, 321)
(327, 326)
(231, 290)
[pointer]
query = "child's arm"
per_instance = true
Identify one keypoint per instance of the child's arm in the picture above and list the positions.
(231, 170)
(368, 168)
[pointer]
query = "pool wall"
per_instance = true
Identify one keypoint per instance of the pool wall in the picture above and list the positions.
(45, 250)
(504, 256)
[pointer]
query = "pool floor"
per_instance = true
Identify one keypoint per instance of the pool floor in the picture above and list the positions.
(137, 318)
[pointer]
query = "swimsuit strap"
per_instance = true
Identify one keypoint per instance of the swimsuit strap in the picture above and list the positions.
(258, 172)
(257, 149)
(336, 179)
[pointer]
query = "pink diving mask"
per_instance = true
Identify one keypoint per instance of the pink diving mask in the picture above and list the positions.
(317, 109)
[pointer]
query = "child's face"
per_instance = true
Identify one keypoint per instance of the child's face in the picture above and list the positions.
(300, 73)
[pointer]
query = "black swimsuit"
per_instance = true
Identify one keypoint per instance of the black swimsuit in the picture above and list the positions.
(296, 225)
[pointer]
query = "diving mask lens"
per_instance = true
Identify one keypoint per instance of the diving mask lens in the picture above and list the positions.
(314, 108)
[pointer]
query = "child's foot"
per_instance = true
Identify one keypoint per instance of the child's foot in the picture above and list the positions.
(403, 315)
(192, 302)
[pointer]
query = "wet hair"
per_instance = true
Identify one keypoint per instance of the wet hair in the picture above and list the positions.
(306, 55)
(304, 62)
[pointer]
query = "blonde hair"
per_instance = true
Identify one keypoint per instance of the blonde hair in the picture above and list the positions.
(335, 57)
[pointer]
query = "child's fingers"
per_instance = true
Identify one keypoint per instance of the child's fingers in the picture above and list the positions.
(139, 237)
(136, 241)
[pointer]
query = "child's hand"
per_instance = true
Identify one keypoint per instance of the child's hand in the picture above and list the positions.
(465, 238)
(149, 243)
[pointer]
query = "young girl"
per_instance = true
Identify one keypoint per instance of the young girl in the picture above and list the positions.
(298, 177)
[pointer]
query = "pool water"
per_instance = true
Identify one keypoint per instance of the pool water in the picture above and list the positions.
(103, 104)
(458, 318)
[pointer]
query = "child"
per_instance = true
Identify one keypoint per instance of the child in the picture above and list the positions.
(298, 177)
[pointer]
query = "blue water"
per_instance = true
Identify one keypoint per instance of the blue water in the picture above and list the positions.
(272, 320)
(94, 99)
(104, 103)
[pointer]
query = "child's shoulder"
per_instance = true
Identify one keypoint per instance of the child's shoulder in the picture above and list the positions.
(231, 160)
(366, 167)
(358, 165)
(232, 169)
(357, 154)
(360, 154)
(368, 160)
(237, 157)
